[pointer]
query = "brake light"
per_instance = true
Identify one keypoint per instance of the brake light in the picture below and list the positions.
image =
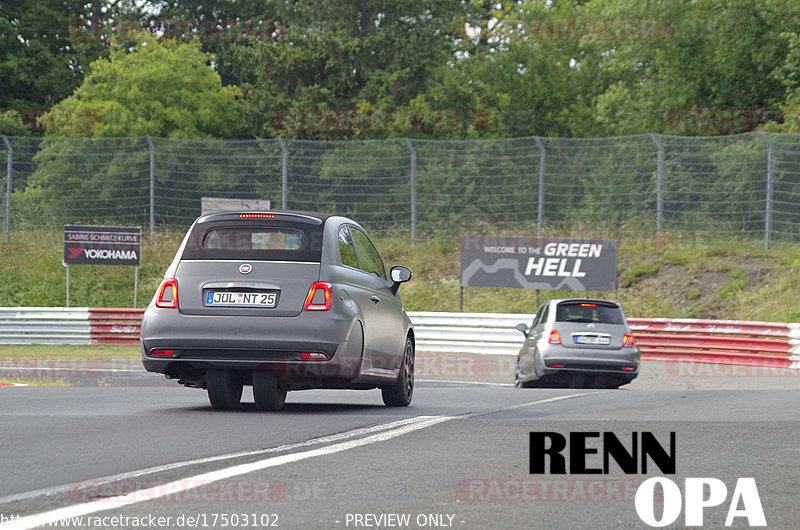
(313, 356)
(162, 353)
(628, 369)
(168, 294)
(555, 337)
(256, 216)
(588, 305)
(319, 297)
(555, 365)
(627, 341)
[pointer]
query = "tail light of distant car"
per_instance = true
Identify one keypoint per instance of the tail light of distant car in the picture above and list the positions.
(319, 297)
(168, 294)
(627, 341)
(555, 337)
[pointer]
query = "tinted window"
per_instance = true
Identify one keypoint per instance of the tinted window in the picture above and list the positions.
(544, 313)
(588, 312)
(347, 249)
(368, 258)
(254, 241)
(538, 318)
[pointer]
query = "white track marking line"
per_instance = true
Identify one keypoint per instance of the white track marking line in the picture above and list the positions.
(549, 400)
(178, 486)
(390, 431)
(66, 488)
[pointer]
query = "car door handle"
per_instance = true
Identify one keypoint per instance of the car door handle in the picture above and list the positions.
(375, 298)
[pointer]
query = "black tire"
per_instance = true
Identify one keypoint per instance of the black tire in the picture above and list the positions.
(224, 388)
(400, 393)
(519, 383)
(267, 391)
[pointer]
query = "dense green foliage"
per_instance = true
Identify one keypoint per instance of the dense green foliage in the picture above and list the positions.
(525, 67)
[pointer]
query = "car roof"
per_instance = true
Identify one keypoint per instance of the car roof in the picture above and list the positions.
(584, 300)
(286, 215)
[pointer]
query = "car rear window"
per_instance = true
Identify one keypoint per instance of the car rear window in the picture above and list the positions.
(254, 241)
(589, 312)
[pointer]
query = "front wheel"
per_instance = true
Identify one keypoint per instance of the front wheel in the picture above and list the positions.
(400, 393)
(224, 388)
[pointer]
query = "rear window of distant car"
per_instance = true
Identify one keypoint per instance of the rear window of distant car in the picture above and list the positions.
(252, 241)
(589, 312)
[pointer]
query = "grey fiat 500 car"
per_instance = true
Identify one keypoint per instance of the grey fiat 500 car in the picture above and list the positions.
(578, 343)
(280, 301)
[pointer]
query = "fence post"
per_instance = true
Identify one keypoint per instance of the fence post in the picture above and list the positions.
(659, 183)
(540, 206)
(284, 174)
(768, 206)
(9, 169)
(413, 176)
(152, 184)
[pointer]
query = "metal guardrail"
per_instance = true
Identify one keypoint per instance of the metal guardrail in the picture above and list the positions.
(74, 325)
(772, 344)
(487, 333)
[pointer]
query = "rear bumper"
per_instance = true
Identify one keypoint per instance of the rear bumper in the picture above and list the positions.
(597, 361)
(252, 343)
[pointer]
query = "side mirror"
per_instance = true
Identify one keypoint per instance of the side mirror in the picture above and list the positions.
(399, 274)
(522, 328)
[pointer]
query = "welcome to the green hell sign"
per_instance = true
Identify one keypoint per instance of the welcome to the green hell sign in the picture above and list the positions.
(538, 263)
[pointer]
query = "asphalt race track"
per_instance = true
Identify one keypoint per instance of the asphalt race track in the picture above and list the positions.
(148, 453)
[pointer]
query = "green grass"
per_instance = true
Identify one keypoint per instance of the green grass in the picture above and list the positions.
(638, 272)
(740, 280)
(68, 351)
(35, 382)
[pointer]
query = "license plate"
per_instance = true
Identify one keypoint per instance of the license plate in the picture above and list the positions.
(592, 339)
(223, 298)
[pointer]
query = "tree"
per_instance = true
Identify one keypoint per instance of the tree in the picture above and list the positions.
(162, 88)
(338, 54)
(41, 63)
(716, 55)
(165, 89)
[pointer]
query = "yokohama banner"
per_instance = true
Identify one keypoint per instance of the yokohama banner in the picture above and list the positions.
(102, 245)
(538, 263)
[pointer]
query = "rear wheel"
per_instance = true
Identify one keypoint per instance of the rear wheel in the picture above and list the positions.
(400, 393)
(224, 388)
(267, 391)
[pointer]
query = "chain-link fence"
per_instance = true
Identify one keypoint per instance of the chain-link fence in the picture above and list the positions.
(745, 185)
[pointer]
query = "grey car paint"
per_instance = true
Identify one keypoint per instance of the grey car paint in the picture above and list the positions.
(363, 335)
(583, 365)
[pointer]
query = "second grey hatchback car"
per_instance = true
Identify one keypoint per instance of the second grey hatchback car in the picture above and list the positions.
(577, 343)
(280, 301)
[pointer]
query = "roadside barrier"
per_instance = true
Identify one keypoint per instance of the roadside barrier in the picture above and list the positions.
(73, 325)
(741, 342)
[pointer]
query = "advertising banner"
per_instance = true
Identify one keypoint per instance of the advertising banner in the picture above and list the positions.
(539, 263)
(102, 245)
